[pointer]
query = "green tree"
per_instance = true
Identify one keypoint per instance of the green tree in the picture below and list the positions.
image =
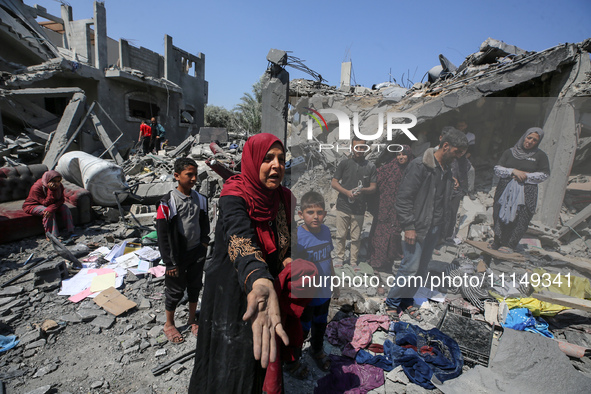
(247, 114)
(216, 116)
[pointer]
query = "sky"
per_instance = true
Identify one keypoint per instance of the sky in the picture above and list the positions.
(385, 40)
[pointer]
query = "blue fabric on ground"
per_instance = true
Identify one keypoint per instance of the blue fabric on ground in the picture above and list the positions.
(522, 319)
(7, 342)
(365, 357)
(445, 362)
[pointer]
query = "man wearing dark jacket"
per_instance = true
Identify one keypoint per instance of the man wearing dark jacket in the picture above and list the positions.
(183, 235)
(422, 205)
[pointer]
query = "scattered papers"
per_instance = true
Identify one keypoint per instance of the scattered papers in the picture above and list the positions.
(423, 294)
(100, 271)
(131, 247)
(116, 251)
(157, 271)
(80, 296)
(143, 266)
(76, 284)
(147, 253)
(114, 302)
(127, 260)
(103, 282)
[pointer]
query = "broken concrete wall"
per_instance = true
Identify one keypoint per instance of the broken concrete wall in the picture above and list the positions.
(178, 65)
(143, 59)
(275, 95)
(560, 142)
(120, 91)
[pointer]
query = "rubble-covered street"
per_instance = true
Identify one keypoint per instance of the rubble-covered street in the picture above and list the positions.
(84, 312)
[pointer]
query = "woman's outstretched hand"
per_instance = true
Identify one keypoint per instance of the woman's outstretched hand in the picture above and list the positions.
(262, 310)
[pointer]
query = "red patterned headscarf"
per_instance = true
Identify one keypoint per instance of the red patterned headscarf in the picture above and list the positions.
(262, 203)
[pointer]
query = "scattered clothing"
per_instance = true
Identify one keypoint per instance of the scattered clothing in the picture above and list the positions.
(364, 357)
(355, 332)
(348, 377)
(521, 319)
(423, 354)
(7, 342)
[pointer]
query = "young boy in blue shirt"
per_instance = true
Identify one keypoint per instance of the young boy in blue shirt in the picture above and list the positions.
(315, 245)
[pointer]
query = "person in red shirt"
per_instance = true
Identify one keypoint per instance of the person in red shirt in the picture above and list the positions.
(46, 199)
(146, 137)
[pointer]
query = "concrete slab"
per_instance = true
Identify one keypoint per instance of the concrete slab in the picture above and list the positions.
(65, 129)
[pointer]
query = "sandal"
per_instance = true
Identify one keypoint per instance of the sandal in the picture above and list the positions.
(505, 249)
(194, 329)
(296, 369)
(414, 313)
(322, 361)
(392, 313)
(173, 335)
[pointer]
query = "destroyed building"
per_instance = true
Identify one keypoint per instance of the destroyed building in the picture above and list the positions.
(499, 91)
(62, 76)
(496, 91)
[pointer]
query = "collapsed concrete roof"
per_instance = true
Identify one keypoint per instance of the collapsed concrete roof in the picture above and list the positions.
(559, 75)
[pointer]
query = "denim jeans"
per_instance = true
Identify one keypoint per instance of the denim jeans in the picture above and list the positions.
(414, 263)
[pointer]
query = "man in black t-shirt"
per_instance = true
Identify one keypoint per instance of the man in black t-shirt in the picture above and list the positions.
(354, 178)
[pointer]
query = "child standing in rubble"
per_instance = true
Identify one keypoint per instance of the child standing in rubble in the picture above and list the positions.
(183, 227)
(315, 245)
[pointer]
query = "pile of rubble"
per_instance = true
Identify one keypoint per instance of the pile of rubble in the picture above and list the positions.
(86, 314)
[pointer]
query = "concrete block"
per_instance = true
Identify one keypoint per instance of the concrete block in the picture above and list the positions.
(103, 321)
(11, 291)
(30, 337)
(49, 276)
(41, 390)
(277, 56)
(111, 215)
(146, 219)
(137, 209)
(152, 192)
(65, 129)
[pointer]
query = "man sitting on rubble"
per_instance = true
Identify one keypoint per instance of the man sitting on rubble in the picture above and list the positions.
(422, 205)
(183, 227)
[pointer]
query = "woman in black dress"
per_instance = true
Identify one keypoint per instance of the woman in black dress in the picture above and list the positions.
(520, 169)
(240, 316)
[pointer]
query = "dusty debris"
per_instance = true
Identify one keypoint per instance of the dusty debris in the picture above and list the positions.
(130, 339)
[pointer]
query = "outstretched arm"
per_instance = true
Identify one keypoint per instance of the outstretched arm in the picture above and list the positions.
(262, 311)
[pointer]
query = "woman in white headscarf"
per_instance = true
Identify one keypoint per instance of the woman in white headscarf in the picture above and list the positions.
(520, 169)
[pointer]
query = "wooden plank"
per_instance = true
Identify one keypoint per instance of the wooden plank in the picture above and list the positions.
(483, 246)
(580, 263)
(564, 300)
(105, 139)
(575, 221)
